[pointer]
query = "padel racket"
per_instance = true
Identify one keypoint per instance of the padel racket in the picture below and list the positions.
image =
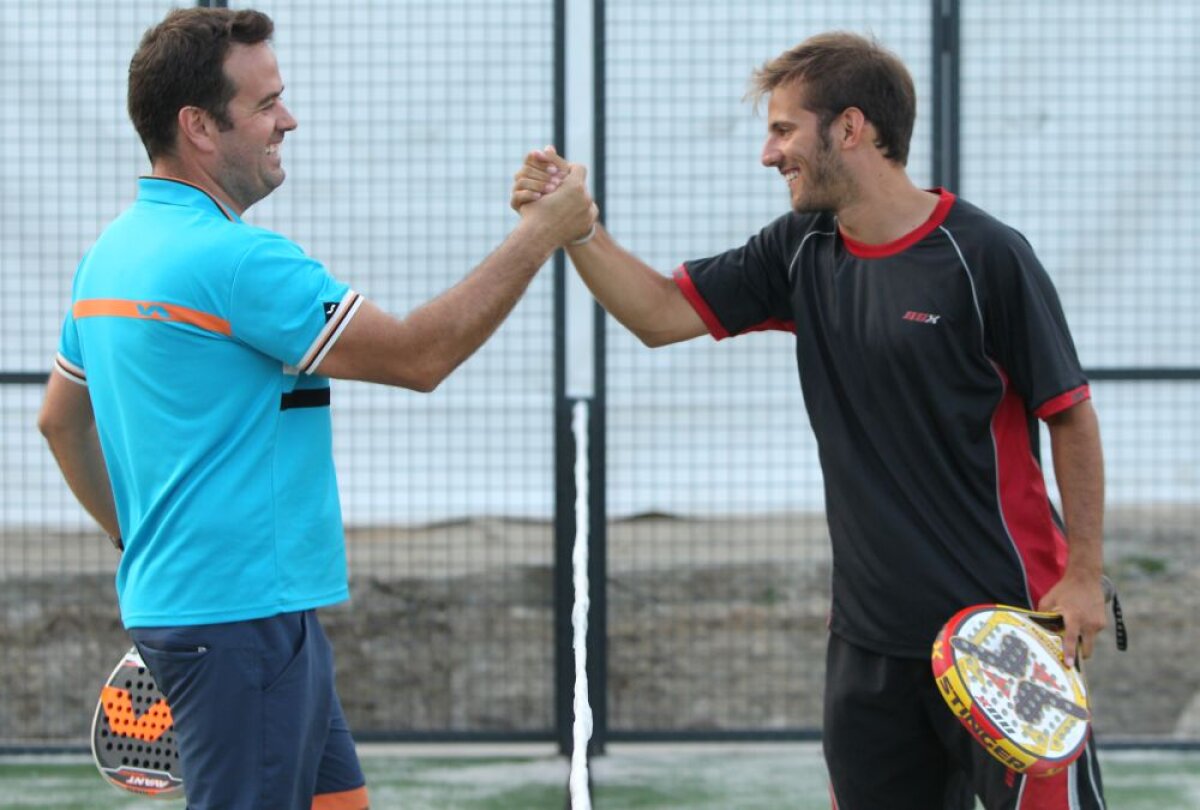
(1000, 669)
(133, 734)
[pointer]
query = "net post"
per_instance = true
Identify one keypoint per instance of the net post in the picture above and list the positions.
(580, 566)
(946, 54)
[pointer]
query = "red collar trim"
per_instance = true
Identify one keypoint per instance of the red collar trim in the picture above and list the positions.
(865, 251)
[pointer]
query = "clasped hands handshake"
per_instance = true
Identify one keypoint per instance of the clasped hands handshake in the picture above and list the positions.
(555, 191)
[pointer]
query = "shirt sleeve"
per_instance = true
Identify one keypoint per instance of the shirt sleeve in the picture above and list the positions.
(69, 360)
(1028, 332)
(287, 305)
(746, 289)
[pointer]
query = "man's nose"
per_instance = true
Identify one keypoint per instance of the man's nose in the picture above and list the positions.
(288, 122)
(770, 153)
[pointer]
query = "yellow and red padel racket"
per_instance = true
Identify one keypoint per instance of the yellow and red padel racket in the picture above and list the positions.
(1001, 671)
(133, 733)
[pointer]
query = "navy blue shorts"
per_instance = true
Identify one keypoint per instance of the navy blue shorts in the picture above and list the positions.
(257, 718)
(890, 741)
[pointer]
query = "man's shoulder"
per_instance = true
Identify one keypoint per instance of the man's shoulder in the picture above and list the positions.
(967, 221)
(794, 227)
(234, 243)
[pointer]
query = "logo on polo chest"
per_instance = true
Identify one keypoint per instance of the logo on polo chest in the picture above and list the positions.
(922, 317)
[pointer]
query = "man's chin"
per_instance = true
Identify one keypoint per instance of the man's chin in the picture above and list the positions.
(274, 180)
(806, 207)
(809, 205)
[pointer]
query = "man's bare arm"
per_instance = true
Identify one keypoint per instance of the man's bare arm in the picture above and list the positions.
(67, 422)
(647, 303)
(420, 350)
(1079, 471)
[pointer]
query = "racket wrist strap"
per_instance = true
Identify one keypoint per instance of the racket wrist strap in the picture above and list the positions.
(1110, 595)
(1119, 623)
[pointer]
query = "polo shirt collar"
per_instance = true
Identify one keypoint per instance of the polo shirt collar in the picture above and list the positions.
(171, 191)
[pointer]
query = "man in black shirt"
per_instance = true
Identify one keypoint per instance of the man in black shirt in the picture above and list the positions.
(929, 341)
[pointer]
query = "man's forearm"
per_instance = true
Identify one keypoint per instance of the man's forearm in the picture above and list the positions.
(643, 300)
(82, 463)
(1079, 470)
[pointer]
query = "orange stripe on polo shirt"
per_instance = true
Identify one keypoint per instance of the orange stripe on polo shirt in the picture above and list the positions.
(355, 799)
(150, 311)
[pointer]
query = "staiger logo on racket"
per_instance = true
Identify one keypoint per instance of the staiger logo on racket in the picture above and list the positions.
(1000, 670)
(133, 733)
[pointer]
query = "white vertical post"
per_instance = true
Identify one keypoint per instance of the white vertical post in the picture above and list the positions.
(579, 148)
(581, 728)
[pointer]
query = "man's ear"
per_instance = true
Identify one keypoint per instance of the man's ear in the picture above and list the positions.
(850, 128)
(197, 127)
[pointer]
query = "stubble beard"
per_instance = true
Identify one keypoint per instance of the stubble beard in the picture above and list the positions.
(827, 186)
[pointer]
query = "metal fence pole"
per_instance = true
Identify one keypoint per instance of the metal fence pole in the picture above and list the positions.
(946, 59)
(597, 641)
(579, 376)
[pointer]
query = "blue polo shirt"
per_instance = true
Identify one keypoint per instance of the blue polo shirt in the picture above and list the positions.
(197, 335)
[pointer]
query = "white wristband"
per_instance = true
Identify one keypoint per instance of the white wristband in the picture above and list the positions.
(587, 237)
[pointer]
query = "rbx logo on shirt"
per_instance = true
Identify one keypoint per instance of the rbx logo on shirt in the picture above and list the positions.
(922, 317)
(330, 308)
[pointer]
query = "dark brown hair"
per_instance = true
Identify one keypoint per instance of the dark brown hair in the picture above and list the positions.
(180, 63)
(840, 70)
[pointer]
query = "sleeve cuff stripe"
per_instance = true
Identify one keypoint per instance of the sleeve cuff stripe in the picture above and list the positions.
(326, 338)
(338, 322)
(683, 280)
(1063, 401)
(69, 370)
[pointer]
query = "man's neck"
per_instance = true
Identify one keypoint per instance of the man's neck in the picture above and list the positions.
(173, 169)
(887, 208)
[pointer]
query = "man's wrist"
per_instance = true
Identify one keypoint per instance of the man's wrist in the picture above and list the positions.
(587, 237)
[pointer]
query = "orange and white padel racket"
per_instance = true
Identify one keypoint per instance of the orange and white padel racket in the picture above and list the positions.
(133, 734)
(1001, 671)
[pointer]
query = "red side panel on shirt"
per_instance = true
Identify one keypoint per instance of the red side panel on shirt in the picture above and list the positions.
(1024, 504)
(1043, 792)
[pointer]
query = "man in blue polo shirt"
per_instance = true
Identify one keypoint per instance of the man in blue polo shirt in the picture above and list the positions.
(190, 413)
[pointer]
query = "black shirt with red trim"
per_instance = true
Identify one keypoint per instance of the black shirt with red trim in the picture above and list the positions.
(923, 363)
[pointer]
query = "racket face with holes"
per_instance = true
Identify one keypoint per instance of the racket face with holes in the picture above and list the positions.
(1000, 669)
(133, 734)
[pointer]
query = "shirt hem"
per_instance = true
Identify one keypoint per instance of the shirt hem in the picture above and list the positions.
(891, 649)
(243, 614)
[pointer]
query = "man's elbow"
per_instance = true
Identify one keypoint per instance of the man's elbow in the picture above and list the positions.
(59, 434)
(49, 427)
(422, 385)
(423, 378)
(653, 340)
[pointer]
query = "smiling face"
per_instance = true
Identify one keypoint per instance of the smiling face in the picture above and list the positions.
(804, 153)
(249, 166)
